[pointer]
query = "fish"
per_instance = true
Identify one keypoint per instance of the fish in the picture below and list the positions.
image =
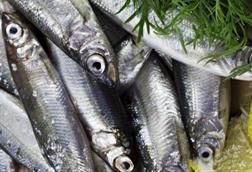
(155, 116)
(45, 99)
(6, 162)
(100, 110)
(16, 134)
(100, 165)
(6, 80)
(170, 44)
(131, 54)
(72, 26)
(205, 106)
(131, 57)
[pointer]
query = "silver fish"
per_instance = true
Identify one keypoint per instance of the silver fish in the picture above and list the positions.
(155, 113)
(6, 162)
(6, 80)
(16, 134)
(100, 165)
(205, 100)
(99, 109)
(170, 45)
(72, 25)
(131, 57)
(45, 99)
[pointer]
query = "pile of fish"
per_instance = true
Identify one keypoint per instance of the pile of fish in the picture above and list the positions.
(80, 94)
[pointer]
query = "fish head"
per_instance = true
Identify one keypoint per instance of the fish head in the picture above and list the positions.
(101, 68)
(20, 43)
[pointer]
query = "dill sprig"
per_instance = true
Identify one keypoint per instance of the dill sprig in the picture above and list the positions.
(224, 21)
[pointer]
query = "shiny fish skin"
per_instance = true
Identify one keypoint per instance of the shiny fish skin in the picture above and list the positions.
(6, 81)
(204, 99)
(131, 57)
(6, 162)
(45, 99)
(171, 46)
(155, 113)
(72, 25)
(98, 107)
(16, 134)
(100, 165)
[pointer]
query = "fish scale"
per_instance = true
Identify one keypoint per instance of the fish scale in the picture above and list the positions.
(6, 162)
(46, 101)
(171, 44)
(156, 117)
(205, 102)
(72, 25)
(99, 108)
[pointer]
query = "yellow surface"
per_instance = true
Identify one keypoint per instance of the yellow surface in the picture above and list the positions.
(250, 122)
(237, 154)
(193, 167)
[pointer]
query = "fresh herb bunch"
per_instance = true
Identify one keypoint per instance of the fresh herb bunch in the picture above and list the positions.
(225, 21)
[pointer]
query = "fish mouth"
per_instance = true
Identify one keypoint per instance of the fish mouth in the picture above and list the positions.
(123, 164)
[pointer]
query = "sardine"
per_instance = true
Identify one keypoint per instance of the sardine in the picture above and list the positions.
(100, 164)
(45, 99)
(72, 25)
(99, 108)
(205, 101)
(16, 134)
(6, 162)
(171, 46)
(6, 80)
(159, 131)
(131, 57)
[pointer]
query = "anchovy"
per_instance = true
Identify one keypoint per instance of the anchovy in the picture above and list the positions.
(131, 57)
(45, 99)
(204, 99)
(16, 134)
(6, 162)
(100, 165)
(72, 25)
(99, 109)
(159, 131)
(6, 80)
(171, 46)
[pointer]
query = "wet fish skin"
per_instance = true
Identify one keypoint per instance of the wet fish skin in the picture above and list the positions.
(6, 162)
(72, 25)
(45, 99)
(21, 145)
(131, 57)
(6, 80)
(204, 99)
(171, 46)
(99, 108)
(100, 165)
(156, 118)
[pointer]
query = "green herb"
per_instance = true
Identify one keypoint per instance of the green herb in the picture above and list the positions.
(225, 21)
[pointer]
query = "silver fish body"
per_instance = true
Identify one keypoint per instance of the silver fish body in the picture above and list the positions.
(45, 99)
(72, 25)
(6, 80)
(131, 57)
(100, 164)
(205, 100)
(171, 46)
(156, 118)
(99, 108)
(6, 162)
(16, 134)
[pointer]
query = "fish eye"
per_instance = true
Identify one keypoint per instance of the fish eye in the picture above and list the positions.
(96, 64)
(205, 153)
(14, 31)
